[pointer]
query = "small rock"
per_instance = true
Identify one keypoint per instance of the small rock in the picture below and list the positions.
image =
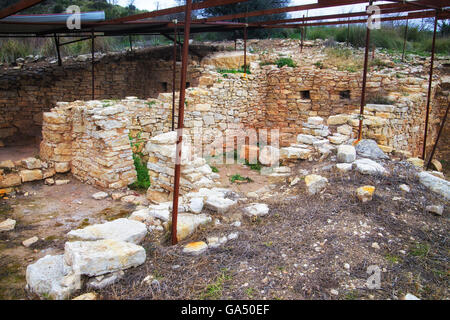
(346, 266)
(315, 183)
(49, 181)
(375, 245)
(439, 210)
(365, 193)
(87, 296)
(334, 292)
(102, 282)
(410, 296)
(196, 205)
(295, 181)
(367, 166)
(233, 236)
(257, 209)
(437, 165)
(220, 205)
(62, 182)
(7, 225)
(417, 162)
(29, 242)
(195, 248)
(100, 195)
(405, 188)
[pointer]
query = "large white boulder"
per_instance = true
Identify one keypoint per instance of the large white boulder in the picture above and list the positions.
(369, 149)
(95, 258)
(120, 229)
(187, 224)
(50, 278)
(367, 166)
(435, 184)
(257, 209)
(315, 183)
(346, 154)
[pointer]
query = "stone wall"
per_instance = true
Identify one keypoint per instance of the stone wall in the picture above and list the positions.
(28, 92)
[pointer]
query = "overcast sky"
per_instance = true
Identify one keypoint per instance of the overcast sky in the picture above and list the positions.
(152, 5)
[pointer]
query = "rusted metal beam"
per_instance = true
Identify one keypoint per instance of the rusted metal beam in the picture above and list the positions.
(92, 65)
(17, 7)
(245, 49)
(174, 75)
(363, 90)
(430, 86)
(329, 4)
(441, 128)
(179, 150)
(404, 40)
(173, 10)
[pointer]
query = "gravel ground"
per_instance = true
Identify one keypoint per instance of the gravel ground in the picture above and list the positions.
(310, 247)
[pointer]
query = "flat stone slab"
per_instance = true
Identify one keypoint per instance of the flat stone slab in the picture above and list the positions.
(257, 209)
(195, 248)
(220, 205)
(95, 258)
(346, 154)
(100, 195)
(435, 184)
(50, 278)
(367, 166)
(187, 224)
(120, 229)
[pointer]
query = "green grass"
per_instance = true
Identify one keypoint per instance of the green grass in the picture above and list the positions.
(254, 166)
(238, 177)
(214, 169)
(420, 250)
(393, 258)
(234, 71)
(214, 290)
(143, 179)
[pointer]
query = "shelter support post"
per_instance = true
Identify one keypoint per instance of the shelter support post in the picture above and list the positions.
(92, 65)
(364, 83)
(176, 192)
(245, 49)
(438, 137)
(430, 87)
(58, 51)
(404, 40)
(174, 75)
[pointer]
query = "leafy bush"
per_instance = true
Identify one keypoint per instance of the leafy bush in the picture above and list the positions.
(238, 177)
(285, 62)
(143, 179)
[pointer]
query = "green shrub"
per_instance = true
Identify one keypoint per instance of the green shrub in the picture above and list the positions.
(238, 177)
(285, 62)
(143, 179)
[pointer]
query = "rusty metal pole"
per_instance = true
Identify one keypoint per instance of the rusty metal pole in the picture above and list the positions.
(245, 49)
(427, 116)
(348, 32)
(404, 40)
(438, 137)
(174, 78)
(176, 192)
(303, 36)
(58, 52)
(92, 65)
(363, 93)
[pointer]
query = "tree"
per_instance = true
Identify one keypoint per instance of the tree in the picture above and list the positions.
(249, 6)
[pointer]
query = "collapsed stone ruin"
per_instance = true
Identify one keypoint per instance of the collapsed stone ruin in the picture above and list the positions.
(314, 113)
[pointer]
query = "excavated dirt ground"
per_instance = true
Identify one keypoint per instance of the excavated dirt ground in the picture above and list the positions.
(299, 251)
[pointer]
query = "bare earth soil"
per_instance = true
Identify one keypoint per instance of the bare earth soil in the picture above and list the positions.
(301, 250)
(308, 247)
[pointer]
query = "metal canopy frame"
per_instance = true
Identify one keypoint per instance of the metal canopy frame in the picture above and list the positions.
(146, 24)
